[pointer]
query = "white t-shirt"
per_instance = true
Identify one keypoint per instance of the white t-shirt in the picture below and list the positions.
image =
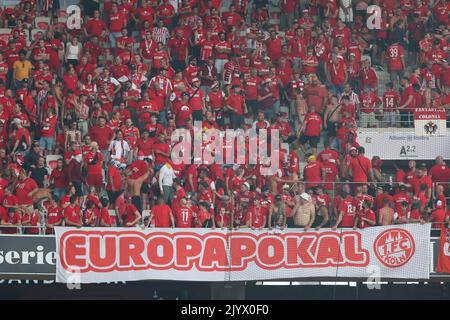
(73, 51)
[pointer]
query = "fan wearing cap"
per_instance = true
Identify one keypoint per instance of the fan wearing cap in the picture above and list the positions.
(313, 172)
(21, 136)
(182, 110)
(304, 213)
(438, 216)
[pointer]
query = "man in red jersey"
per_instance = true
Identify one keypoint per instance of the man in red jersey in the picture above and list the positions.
(72, 213)
(440, 173)
(102, 134)
(257, 215)
(346, 217)
(137, 173)
(25, 188)
(406, 105)
(365, 217)
(184, 215)
(130, 216)
(310, 130)
(391, 100)
(54, 216)
(313, 172)
(94, 164)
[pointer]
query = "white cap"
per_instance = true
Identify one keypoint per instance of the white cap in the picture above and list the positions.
(305, 196)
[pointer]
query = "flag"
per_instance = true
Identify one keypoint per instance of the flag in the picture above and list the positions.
(444, 251)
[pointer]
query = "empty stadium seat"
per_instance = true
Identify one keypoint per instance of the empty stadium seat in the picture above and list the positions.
(42, 23)
(51, 161)
(35, 32)
(145, 215)
(5, 35)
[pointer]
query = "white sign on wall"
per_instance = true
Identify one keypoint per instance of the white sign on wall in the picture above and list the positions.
(403, 144)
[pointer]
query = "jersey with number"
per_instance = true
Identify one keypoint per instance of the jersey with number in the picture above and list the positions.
(394, 55)
(184, 216)
(347, 206)
(390, 101)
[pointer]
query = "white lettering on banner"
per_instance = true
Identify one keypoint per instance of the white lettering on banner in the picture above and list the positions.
(429, 122)
(403, 144)
(124, 254)
(447, 249)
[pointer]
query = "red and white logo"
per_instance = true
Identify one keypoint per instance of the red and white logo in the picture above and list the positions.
(394, 247)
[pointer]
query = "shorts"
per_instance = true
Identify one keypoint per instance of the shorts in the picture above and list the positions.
(46, 143)
(382, 44)
(95, 180)
(313, 140)
(331, 129)
(113, 195)
(395, 75)
(413, 46)
(145, 188)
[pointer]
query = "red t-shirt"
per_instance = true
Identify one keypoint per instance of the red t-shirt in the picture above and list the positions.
(161, 216)
(360, 166)
(313, 173)
(102, 136)
(313, 123)
(72, 214)
(184, 217)
(347, 206)
(23, 188)
(394, 54)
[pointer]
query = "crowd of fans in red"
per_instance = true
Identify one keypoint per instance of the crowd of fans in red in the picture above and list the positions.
(108, 96)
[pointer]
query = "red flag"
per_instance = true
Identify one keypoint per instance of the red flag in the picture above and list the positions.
(443, 264)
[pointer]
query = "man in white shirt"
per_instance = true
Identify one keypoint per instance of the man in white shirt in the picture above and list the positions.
(119, 148)
(165, 181)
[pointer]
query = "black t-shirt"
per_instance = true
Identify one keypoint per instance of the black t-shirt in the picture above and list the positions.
(38, 174)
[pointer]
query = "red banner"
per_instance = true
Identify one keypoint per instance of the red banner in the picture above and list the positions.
(444, 251)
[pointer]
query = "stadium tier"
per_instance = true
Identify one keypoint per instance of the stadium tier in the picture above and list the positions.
(277, 140)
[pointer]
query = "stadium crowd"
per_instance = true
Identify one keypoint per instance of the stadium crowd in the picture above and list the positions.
(87, 114)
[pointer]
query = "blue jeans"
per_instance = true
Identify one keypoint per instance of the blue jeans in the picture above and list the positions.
(46, 143)
(59, 192)
(113, 38)
(162, 117)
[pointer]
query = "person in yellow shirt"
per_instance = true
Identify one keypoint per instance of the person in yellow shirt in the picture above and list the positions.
(21, 69)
